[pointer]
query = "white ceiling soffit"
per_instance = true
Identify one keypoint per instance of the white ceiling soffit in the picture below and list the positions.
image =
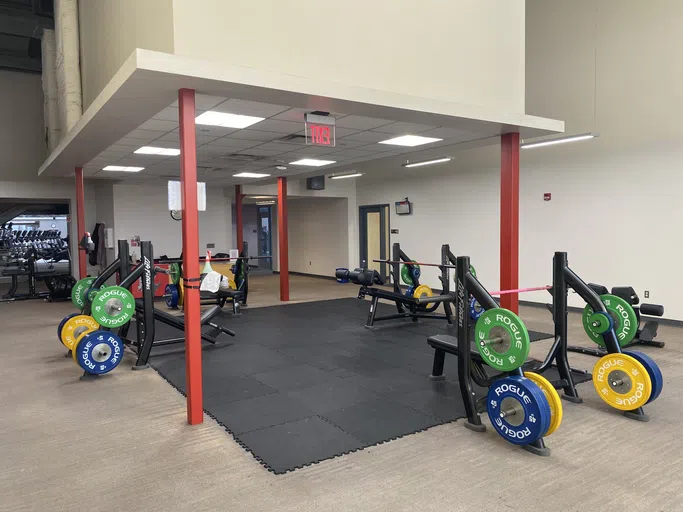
(148, 82)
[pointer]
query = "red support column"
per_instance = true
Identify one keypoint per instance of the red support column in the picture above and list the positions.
(80, 222)
(188, 184)
(238, 216)
(509, 219)
(283, 237)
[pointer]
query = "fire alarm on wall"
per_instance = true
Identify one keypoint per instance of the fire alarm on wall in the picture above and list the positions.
(546, 196)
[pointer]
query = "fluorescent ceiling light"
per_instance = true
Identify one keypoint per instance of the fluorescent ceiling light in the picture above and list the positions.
(558, 140)
(212, 118)
(342, 176)
(122, 168)
(259, 197)
(312, 162)
(151, 150)
(410, 141)
(262, 203)
(427, 162)
(250, 175)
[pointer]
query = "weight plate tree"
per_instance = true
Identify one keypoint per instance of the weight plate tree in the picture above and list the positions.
(653, 371)
(623, 317)
(502, 339)
(113, 307)
(553, 398)
(78, 292)
(74, 327)
(622, 382)
(99, 352)
(518, 410)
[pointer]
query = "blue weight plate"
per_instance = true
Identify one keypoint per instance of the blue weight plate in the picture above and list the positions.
(409, 291)
(518, 410)
(99, 352)
(172, 295)
(61, 324)
(475, 309)
(653, 370)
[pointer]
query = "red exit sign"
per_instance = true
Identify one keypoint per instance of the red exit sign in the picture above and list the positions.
(320, 130)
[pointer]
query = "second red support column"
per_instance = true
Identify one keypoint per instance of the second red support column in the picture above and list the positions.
(509, 219)
(283, 237)
(238, 217)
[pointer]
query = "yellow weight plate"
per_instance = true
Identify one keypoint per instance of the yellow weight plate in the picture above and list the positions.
(232, 285)
(553, 398)
(75, 326)
(181, 293)
(74, 350)
(423, 291)
(622, 382)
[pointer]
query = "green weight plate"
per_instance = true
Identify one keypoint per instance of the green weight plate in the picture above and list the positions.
(406, 274)
(623, 317)
(174, 270)
(502, 339)
(473, 271)
(79, 290)
(113, 307)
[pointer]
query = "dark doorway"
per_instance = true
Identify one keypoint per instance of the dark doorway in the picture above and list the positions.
(374, 236)
(265, 236)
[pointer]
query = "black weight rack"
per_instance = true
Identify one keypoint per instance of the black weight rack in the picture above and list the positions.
(406, 306)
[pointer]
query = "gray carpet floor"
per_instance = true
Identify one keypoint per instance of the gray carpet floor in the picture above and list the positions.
(122, 443)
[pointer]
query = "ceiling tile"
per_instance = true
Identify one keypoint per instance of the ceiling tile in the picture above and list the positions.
(274, 125)
(369, 137)
(403, 128)
(280, 147)
(349, 143)
(249, 108)
(145, 135)
(215, 131)
(351, 153)
(255, 135)
(232, 142)
(158, 124)
(311, 151)
(361, 123)
(126, 141)
(168, 114)
(204, 139)
(257, 151)
(447, 133)
(206, 102)
(170, 137)
(122, 148)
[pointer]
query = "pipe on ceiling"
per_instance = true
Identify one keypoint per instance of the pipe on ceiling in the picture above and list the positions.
(50, 108)
(67, 64)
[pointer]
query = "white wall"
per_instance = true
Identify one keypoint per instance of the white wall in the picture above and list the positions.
(142, 210)
(22, 133)
(467, 51)
(457, 203)
(318, 235)
(109, 32)
(607, 67)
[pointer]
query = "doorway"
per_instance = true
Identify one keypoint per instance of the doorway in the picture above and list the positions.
(265, 235)
(374, 237)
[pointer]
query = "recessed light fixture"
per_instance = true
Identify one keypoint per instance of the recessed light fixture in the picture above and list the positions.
(342, 176)
(263, 203)
(259, 197)
(312, 162)
(427, 162)
(151, 150)
(558, 140)
(410, 141)
(281, 167)
(122, 168)
(212, 118)
(250, 175)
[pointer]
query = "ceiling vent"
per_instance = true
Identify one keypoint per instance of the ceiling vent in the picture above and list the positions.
(293, 139)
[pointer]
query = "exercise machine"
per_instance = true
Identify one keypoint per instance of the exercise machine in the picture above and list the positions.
(402, 268)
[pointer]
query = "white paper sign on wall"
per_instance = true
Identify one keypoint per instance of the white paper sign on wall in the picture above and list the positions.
(175, 196)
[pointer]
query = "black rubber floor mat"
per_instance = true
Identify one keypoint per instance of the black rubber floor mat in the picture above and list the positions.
(307, 382)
